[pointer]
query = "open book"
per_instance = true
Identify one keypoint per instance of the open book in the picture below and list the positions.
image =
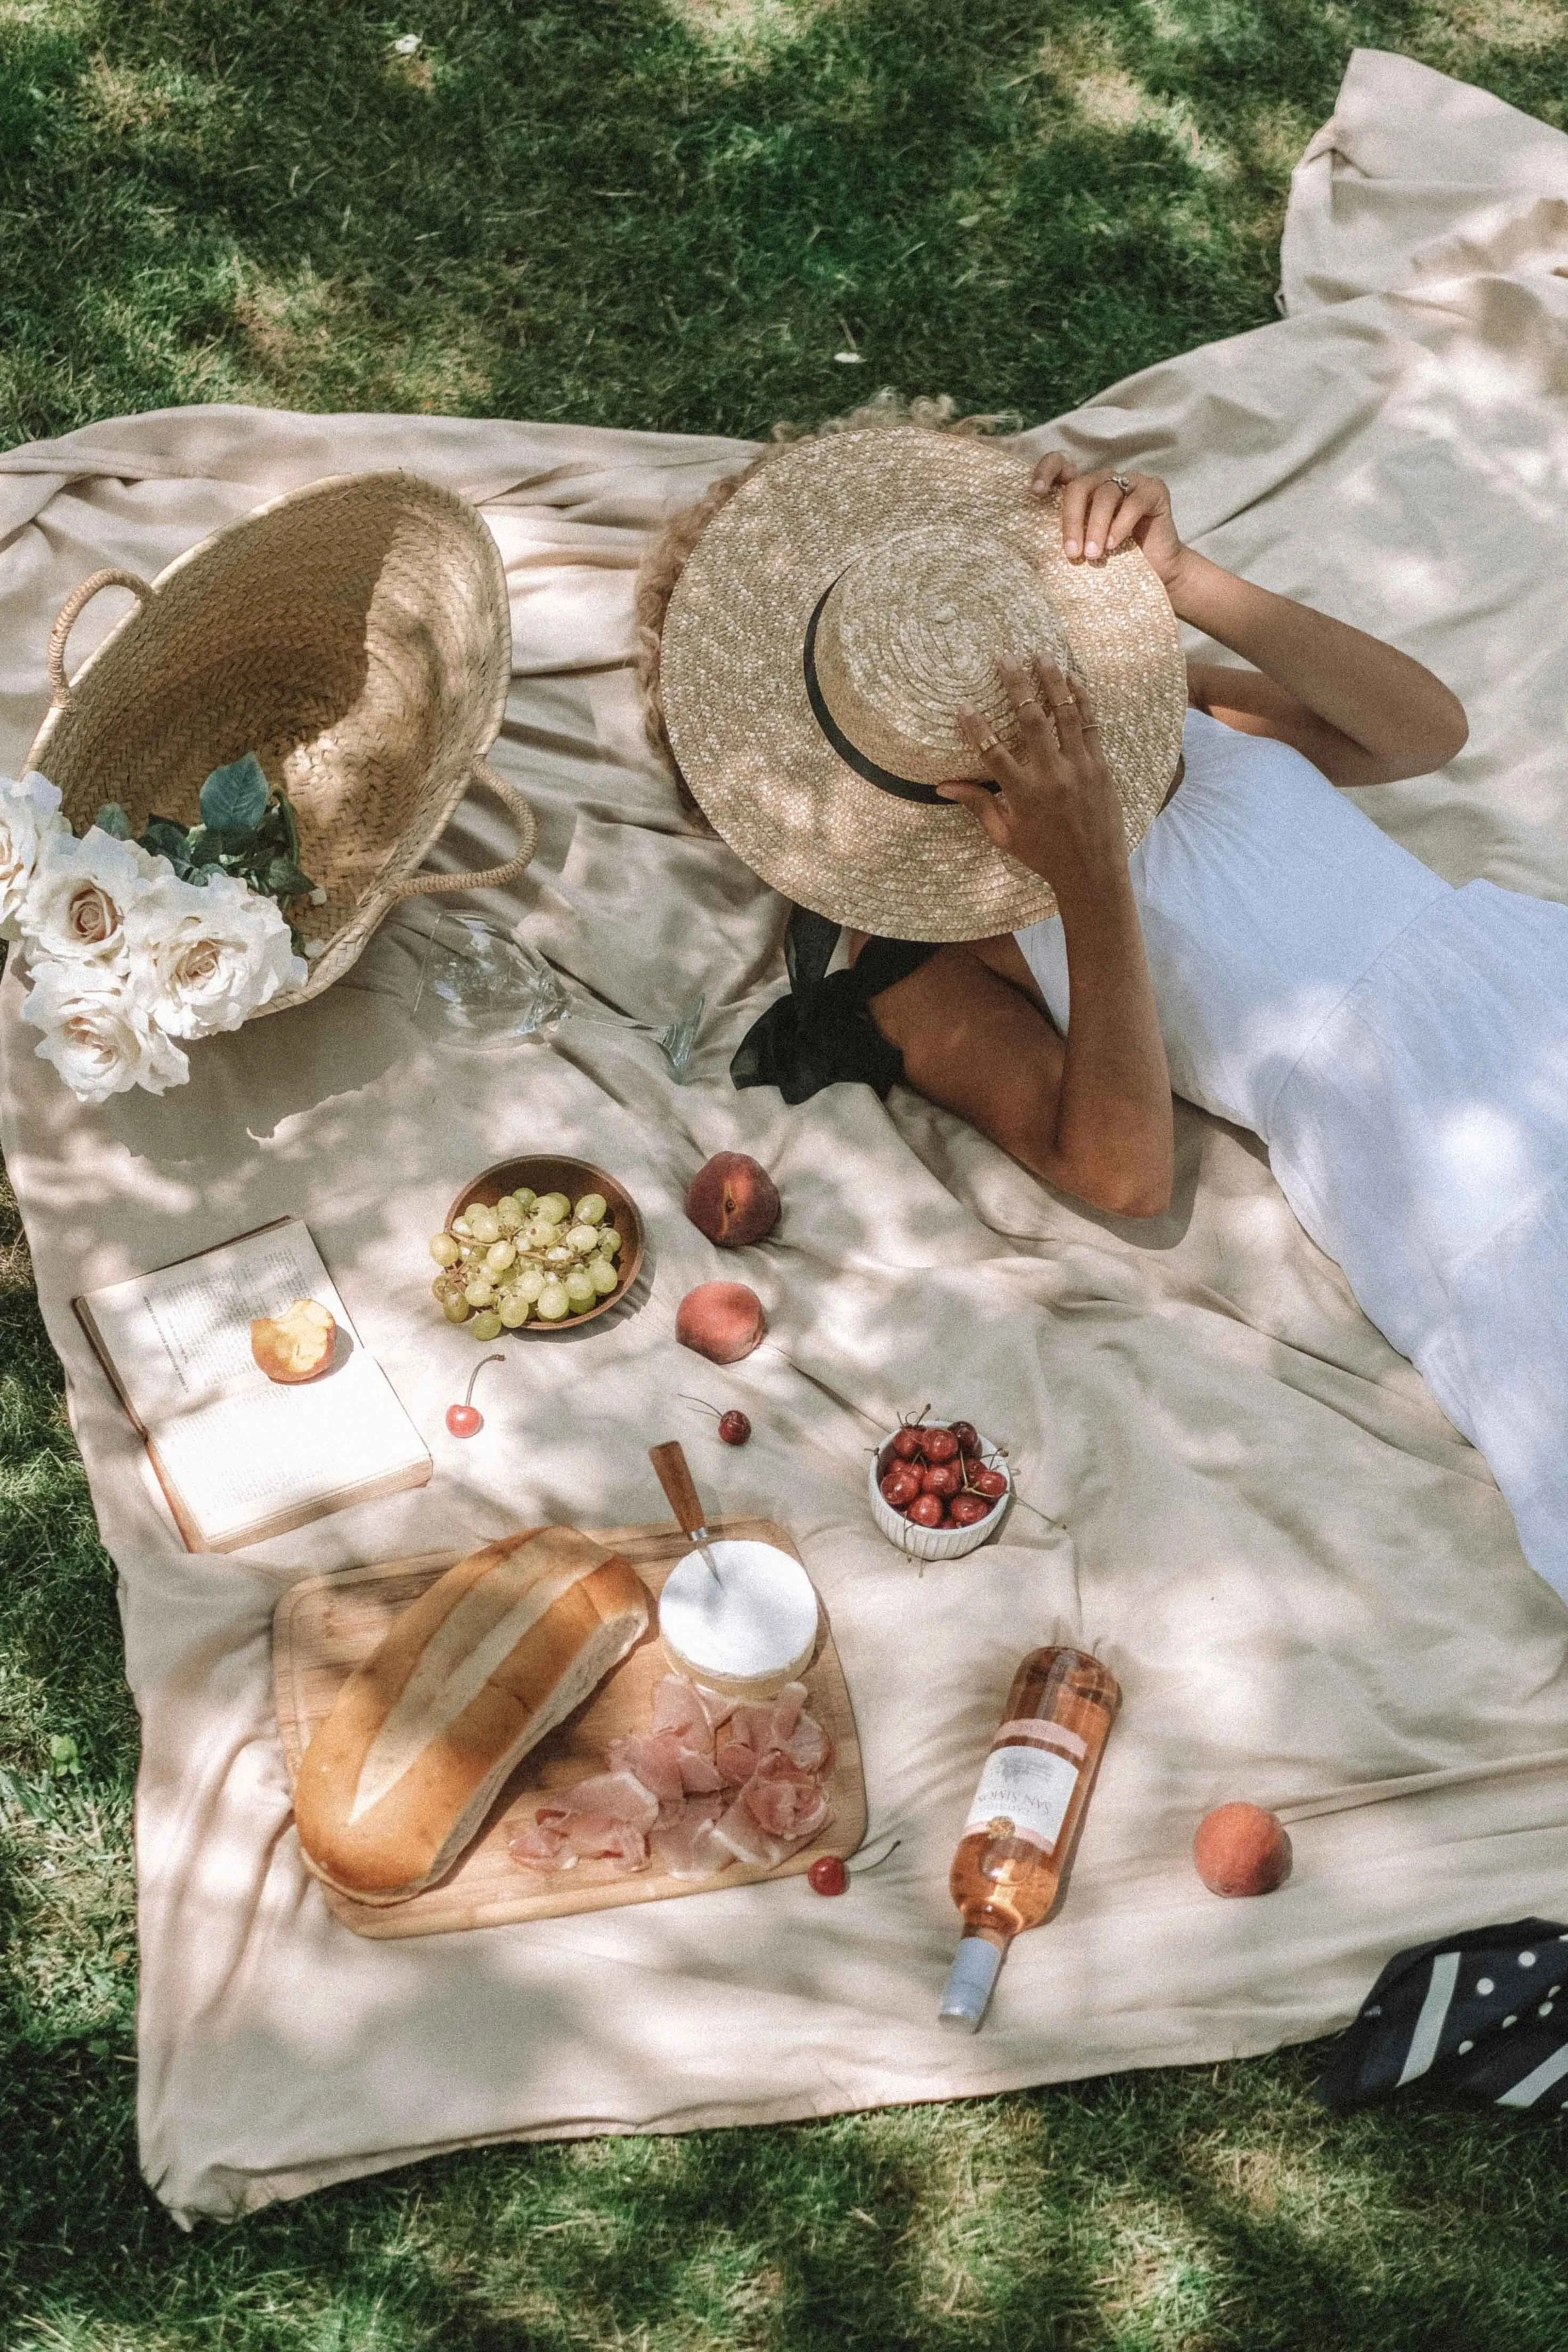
(240, 1457)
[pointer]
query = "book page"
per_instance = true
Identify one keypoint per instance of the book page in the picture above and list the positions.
(182, 1337)
(240, 1458)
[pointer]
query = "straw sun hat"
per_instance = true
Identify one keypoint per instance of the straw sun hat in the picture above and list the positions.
(830, 619)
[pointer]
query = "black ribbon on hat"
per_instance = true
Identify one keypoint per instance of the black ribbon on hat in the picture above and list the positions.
(903, 788)
(1481, 2015)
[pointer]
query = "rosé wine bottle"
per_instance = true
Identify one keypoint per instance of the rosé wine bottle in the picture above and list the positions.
(1027, 1810)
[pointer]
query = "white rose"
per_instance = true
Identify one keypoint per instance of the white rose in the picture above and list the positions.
(29, 816)
(75, 911)
(204, 955)
(100, 1036)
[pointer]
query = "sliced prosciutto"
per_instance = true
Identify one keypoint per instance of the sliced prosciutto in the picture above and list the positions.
(777, 1811)
(786, 1801)
(678, 1707)
(604, 1818)
(710, 1783)
(736, 1763)
(687, 1847)
(809, 1745)
(593, 1839)
(654, 1759)
(543, 1846)
(607, 1796)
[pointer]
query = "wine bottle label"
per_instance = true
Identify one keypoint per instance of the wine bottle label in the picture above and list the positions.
(1045, 1734)
(1024, 1792)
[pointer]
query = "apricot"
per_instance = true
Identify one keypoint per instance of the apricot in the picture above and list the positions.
(732, 1200)
(1242, 1850)
(721, 1320)
(297, 1345)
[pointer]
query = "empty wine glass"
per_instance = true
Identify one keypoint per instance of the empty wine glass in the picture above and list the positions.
(479, 986)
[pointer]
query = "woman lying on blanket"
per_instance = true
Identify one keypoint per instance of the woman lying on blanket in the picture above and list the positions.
(820, 652)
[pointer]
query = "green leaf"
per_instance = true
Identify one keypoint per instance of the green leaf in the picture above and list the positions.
(283, 879)
(284, 807)
(233, 799)
(162, 837)
(112, 818)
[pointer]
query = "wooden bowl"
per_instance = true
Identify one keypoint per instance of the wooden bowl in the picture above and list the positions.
(547, 1172)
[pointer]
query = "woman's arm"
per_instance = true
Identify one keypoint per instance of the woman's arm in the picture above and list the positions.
(1055, 809)
(1361, 711)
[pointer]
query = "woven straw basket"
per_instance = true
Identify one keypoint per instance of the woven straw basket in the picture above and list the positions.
(353, 634)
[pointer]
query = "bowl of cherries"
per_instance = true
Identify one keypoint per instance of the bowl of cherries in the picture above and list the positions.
(938, 1488)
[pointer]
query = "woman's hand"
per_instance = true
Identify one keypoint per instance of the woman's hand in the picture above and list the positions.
(1098, 516)
(1359, 709)
(1054, 808)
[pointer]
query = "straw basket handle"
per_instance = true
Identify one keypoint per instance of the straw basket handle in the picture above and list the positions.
(423, 886)
(70, 612)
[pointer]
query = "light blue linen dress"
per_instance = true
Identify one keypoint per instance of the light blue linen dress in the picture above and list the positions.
(1402, 1047)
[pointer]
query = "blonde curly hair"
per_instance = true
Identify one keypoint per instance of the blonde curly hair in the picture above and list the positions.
(666, 559)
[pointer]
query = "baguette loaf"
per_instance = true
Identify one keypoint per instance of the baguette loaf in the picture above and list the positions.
(400, 1775)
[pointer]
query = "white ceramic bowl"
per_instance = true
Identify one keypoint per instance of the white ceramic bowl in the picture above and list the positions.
(935, 1543)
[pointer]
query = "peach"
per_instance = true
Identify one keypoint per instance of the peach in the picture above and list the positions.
(732, 1200)
(296, 1345)
(1242, 1850)
(721, 1320)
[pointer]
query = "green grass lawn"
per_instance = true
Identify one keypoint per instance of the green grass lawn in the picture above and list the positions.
(672, 214)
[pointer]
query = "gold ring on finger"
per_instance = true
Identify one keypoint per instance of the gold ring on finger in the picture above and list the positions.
(1091, 726)
(990, 742)
(1030, 702)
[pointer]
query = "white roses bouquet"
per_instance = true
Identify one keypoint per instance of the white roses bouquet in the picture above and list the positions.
(132, 945)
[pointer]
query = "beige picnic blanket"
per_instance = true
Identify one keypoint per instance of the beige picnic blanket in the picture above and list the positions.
(1306, 1582)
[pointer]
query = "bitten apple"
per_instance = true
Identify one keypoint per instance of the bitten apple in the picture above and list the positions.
(721, 1320)
(732, 1200)
(296, 1345)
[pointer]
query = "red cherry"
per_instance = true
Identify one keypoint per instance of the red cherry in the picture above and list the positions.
(968, 1436)
(926, 1511)
(901, 1484)
(827, 1875)
(942, 1478)
(940, 1446)
(734, 1427)
(988, 1482)
(907, 1444)
(465, 1420)
(968, 1511)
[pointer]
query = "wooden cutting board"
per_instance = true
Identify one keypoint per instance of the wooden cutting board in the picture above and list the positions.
(327, 1626)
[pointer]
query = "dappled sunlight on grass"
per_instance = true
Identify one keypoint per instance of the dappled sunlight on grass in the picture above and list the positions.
(157, 106)
(1114, 100)
(739, 26)
(307, 325)
(1155, 2271)
(1469, 32)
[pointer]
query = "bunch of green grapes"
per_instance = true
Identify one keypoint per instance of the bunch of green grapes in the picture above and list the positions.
(531, 1254)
